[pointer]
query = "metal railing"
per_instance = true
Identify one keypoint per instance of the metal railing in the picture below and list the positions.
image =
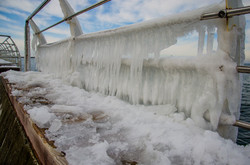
(76, 14)
(221, 14)
(226, 13)
(27, 34)
(242, 124)
(27, 29)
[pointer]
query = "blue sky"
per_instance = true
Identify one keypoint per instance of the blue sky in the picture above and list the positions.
(116, 13)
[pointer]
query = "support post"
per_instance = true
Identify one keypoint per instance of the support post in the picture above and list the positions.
(27, 46)
(27, 35)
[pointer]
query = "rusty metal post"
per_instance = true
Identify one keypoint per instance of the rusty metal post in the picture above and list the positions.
(27, 35)
(27, 46)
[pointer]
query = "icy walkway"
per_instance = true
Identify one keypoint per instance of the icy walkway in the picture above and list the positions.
(95, 129)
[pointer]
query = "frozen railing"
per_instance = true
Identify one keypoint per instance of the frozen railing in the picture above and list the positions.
(36, 29)
(127, 63)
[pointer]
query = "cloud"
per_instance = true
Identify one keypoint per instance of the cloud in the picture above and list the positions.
(78, 5)
(120, 11)
(20, 44)
(52, 9)
(10, 11)
(65, 31)
(4, 18)
(42, 21)
(12, 30)
(24, 5)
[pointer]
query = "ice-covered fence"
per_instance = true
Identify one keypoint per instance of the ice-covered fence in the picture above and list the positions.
(126, 63)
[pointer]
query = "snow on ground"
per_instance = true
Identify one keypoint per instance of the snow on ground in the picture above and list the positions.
(95, 129)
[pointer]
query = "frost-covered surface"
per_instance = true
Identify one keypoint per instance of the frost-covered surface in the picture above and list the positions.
(95, 129)
(171, 103)
(126, 63)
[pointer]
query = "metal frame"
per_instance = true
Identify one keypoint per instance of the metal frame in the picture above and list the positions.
(226, 13)
(221, 14)
(27, 34)
(74, 15)
(27, 28)
(9, 51)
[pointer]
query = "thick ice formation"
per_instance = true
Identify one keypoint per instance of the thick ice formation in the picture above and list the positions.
(119, 63)
(95, 129)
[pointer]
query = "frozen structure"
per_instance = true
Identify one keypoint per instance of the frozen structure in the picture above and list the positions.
(127, 63)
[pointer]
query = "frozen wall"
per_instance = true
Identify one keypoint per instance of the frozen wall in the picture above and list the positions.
(126, 63)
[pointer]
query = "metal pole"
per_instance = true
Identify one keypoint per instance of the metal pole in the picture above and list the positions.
(44, 3)
(27, 34)
(226, 13)
(243, 69)
(242, 124)
(76, 14)
(209, 16)
(27, 47)
(238, 11)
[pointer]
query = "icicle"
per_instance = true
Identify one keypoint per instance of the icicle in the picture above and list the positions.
(210, 39)
(116, 62)
(201, 40)
(34, 43)
(75, 28)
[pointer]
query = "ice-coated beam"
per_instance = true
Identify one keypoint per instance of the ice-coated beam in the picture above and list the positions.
(75, 28)
(36, 29)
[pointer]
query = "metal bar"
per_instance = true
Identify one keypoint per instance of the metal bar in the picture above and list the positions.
(226, 13)
(243, 69)
(44, 3)
(2, 35)
(8, 57)
(209, 16)
(238, 11)
(74, 15)
(6, 40)
(242, 124)
(27, 35)
(6, 44)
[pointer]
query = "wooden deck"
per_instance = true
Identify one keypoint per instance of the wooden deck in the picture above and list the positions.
(44, 149)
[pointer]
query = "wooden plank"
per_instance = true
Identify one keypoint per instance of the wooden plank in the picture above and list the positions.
(45, 151)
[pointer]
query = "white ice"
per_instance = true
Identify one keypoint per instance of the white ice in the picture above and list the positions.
(173, 108)
(126, 63)
(92, 128)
